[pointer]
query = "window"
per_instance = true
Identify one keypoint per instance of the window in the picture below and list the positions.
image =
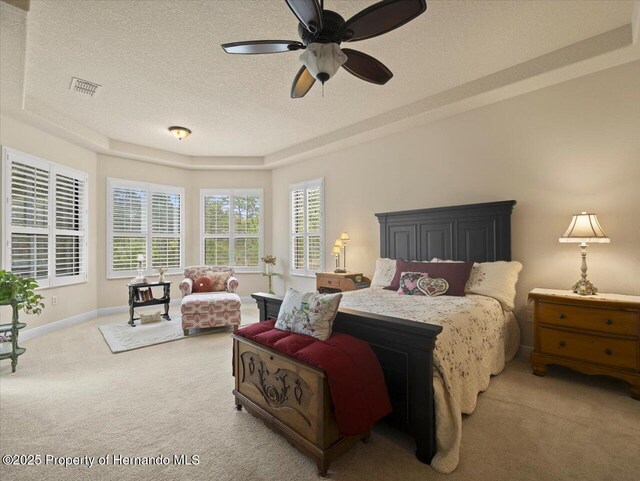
(45, 220)
(231, 228)
(306, 209)
(144, 219)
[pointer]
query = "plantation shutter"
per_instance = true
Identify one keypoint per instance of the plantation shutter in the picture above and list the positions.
(129, 226)
(231, 228)
(246, 240)
(29, 241)
(216, 222)
(298, 241)
(307, 253)
(165, 230)
(145, 219)
(70, 228)
(314, 222)
(46, 212)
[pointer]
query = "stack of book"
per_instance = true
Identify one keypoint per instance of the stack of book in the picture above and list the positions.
(144, 295)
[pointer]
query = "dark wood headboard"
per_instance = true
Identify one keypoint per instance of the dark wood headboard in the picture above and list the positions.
(473, 232)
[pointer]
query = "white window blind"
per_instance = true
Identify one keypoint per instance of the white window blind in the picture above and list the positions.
(231, 228)
(45, 220)
(144, 219)
(307, 220)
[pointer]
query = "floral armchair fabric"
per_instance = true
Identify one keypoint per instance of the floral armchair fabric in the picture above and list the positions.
(204, 310)
(191, 273)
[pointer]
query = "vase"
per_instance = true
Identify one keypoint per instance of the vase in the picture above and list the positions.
(161, 278)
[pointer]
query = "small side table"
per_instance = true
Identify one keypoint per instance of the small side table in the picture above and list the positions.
(327, 282)
(271, 275)
(14, 327)
(134, 291)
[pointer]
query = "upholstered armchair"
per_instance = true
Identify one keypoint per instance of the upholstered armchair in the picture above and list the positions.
(208, 309)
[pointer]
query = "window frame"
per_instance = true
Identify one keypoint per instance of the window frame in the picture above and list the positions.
(51, 231)
(306, 185)
(231, 193)
(149, 188)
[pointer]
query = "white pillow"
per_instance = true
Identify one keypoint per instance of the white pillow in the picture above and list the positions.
(495, 279)
(385, 270)
(308, 313)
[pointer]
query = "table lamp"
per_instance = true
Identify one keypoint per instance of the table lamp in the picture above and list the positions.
(584, 228)
(140, 278)
(336, 249)
(344, 238)
(336, 252)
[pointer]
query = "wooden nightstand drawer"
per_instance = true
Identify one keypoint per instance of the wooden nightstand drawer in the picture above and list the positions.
(588, 318)
(619, 353)
(329, 282)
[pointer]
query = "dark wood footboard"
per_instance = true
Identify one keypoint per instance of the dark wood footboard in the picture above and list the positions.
(405, 351)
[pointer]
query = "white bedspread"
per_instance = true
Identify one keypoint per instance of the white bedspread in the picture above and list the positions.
(476, 340)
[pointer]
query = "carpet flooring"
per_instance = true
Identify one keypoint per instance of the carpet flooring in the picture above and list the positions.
(72, 397)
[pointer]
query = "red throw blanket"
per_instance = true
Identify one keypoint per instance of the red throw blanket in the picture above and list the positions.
(354, 374)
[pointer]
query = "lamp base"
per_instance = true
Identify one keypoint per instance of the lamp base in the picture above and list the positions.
(139, 280)
(584, 288)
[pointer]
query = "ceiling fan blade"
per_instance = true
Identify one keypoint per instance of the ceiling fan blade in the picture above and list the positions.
(309, 13)
(302, 83)
(251, 47)
(381, 17)
(366, 67)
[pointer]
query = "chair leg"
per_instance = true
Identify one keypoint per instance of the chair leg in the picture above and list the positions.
(185, 332)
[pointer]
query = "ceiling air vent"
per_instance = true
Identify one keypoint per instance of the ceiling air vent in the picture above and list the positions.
(83, 86)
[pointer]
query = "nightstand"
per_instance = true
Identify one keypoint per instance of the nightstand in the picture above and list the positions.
(597, 334)
(334, 282)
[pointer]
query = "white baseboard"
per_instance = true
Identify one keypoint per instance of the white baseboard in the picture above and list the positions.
(54, 326)
(107, 311)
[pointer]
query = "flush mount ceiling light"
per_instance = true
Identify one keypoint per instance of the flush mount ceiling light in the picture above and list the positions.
(180, 132)
(322, 31)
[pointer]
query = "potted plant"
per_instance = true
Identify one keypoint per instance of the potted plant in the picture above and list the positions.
(13, 287)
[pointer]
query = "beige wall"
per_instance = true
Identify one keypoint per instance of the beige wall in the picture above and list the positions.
(557, 151)
(78, 298)
(113, 292)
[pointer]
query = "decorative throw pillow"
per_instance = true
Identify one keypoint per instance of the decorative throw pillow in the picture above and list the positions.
(432, 287)
(202, 284)
(495, 279)
(409, 283)
(218, 280)
(308, 313)
(455, 273)
(385, 269)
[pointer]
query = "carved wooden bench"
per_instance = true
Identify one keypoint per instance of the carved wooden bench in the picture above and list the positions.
(292, 398)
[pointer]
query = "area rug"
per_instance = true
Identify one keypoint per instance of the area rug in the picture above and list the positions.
(122, 337)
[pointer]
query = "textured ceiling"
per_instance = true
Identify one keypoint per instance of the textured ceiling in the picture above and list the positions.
(160, 63)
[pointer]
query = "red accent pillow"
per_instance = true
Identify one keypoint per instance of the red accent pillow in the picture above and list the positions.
(455, 273)
(202, 284)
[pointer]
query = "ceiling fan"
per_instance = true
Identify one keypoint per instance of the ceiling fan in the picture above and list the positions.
(322, 31)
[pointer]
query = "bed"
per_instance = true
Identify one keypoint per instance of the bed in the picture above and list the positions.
(405, 348)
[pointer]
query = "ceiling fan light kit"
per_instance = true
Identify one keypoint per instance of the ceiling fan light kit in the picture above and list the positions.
(322, 31)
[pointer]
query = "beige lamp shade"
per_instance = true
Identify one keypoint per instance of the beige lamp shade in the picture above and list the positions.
(336, 250)
(338, 243)
(344, 237)
(585, 228)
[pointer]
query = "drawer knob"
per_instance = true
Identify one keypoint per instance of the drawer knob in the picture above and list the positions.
(271, 357)
(608, 322)
(328, 282)
(562, 316)
(608, 351)
(563, 344)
